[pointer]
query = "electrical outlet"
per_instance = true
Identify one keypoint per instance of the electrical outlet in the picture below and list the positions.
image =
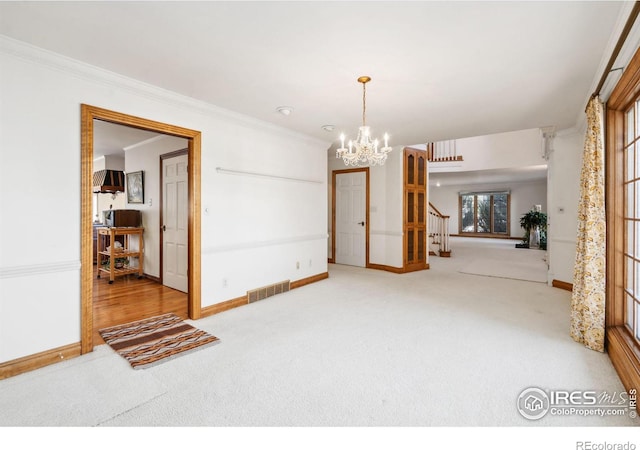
(297, 264)
(310, 263)
(225, 283)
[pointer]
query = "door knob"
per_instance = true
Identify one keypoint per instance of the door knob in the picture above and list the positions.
(361, 223)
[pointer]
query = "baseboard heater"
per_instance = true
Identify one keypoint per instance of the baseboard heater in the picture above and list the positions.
(268, 291)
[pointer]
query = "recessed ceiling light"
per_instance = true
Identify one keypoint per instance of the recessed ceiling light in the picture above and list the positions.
(328, 127)
(284, 110)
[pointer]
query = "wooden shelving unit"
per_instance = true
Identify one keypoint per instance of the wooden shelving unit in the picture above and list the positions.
(106, 239)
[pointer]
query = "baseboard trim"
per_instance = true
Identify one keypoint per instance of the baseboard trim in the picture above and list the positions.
(386, 268)
(491, 236)
(152, 278)
(309, 280)
(562, 285)
(224, 306)
(398, 269)
(38, 360)
(241, 301)
(624, 355)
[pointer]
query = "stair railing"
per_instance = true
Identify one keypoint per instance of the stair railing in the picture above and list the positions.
(439, 230)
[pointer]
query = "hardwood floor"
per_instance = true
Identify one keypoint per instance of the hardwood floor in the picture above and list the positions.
(129, 299)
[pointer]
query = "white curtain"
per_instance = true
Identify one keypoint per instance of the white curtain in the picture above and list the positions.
(588, 297)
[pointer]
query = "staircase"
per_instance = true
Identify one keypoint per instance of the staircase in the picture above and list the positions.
(438, 233)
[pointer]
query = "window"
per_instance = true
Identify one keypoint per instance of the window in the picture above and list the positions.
(484, 213)
(622, 150)
(631, 246)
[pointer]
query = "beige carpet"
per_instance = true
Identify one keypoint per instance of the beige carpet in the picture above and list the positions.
(491, 266)
(363, 348)
(500, 259)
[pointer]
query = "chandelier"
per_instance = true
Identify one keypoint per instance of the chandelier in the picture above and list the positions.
(364, 150)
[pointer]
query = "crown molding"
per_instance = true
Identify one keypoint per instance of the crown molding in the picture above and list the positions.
(97, 75)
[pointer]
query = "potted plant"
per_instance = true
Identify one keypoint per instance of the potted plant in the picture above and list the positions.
(534, 224)
(119, 262)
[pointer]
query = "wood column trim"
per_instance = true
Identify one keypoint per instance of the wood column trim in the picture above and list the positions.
(562, 285)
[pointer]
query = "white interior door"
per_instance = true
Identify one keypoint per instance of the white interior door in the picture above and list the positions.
(175, 222)
(350, 218)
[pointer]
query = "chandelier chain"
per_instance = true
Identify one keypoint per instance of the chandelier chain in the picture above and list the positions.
(364, 103)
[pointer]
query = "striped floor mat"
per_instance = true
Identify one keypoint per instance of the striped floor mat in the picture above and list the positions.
(155, 340)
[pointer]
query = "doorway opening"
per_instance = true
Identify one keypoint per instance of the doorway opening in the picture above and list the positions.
(193, 138)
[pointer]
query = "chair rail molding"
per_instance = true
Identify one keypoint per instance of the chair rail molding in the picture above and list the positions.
(39, 269)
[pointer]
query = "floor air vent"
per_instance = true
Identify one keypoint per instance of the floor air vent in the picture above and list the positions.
(268, 291)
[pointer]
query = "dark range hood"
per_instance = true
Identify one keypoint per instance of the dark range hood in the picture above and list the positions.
(109, 181)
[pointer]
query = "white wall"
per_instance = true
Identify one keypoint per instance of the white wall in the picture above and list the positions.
(565, 165)
(385, 208)
(254, 229)
(523, 196)
(146, 157)
(104, 201)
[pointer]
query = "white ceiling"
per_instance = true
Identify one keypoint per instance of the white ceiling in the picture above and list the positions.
(113, 139)
(440, 70)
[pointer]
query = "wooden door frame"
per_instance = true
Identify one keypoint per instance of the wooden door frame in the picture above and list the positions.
(88, 115)
(184, 151)
(333, 211)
